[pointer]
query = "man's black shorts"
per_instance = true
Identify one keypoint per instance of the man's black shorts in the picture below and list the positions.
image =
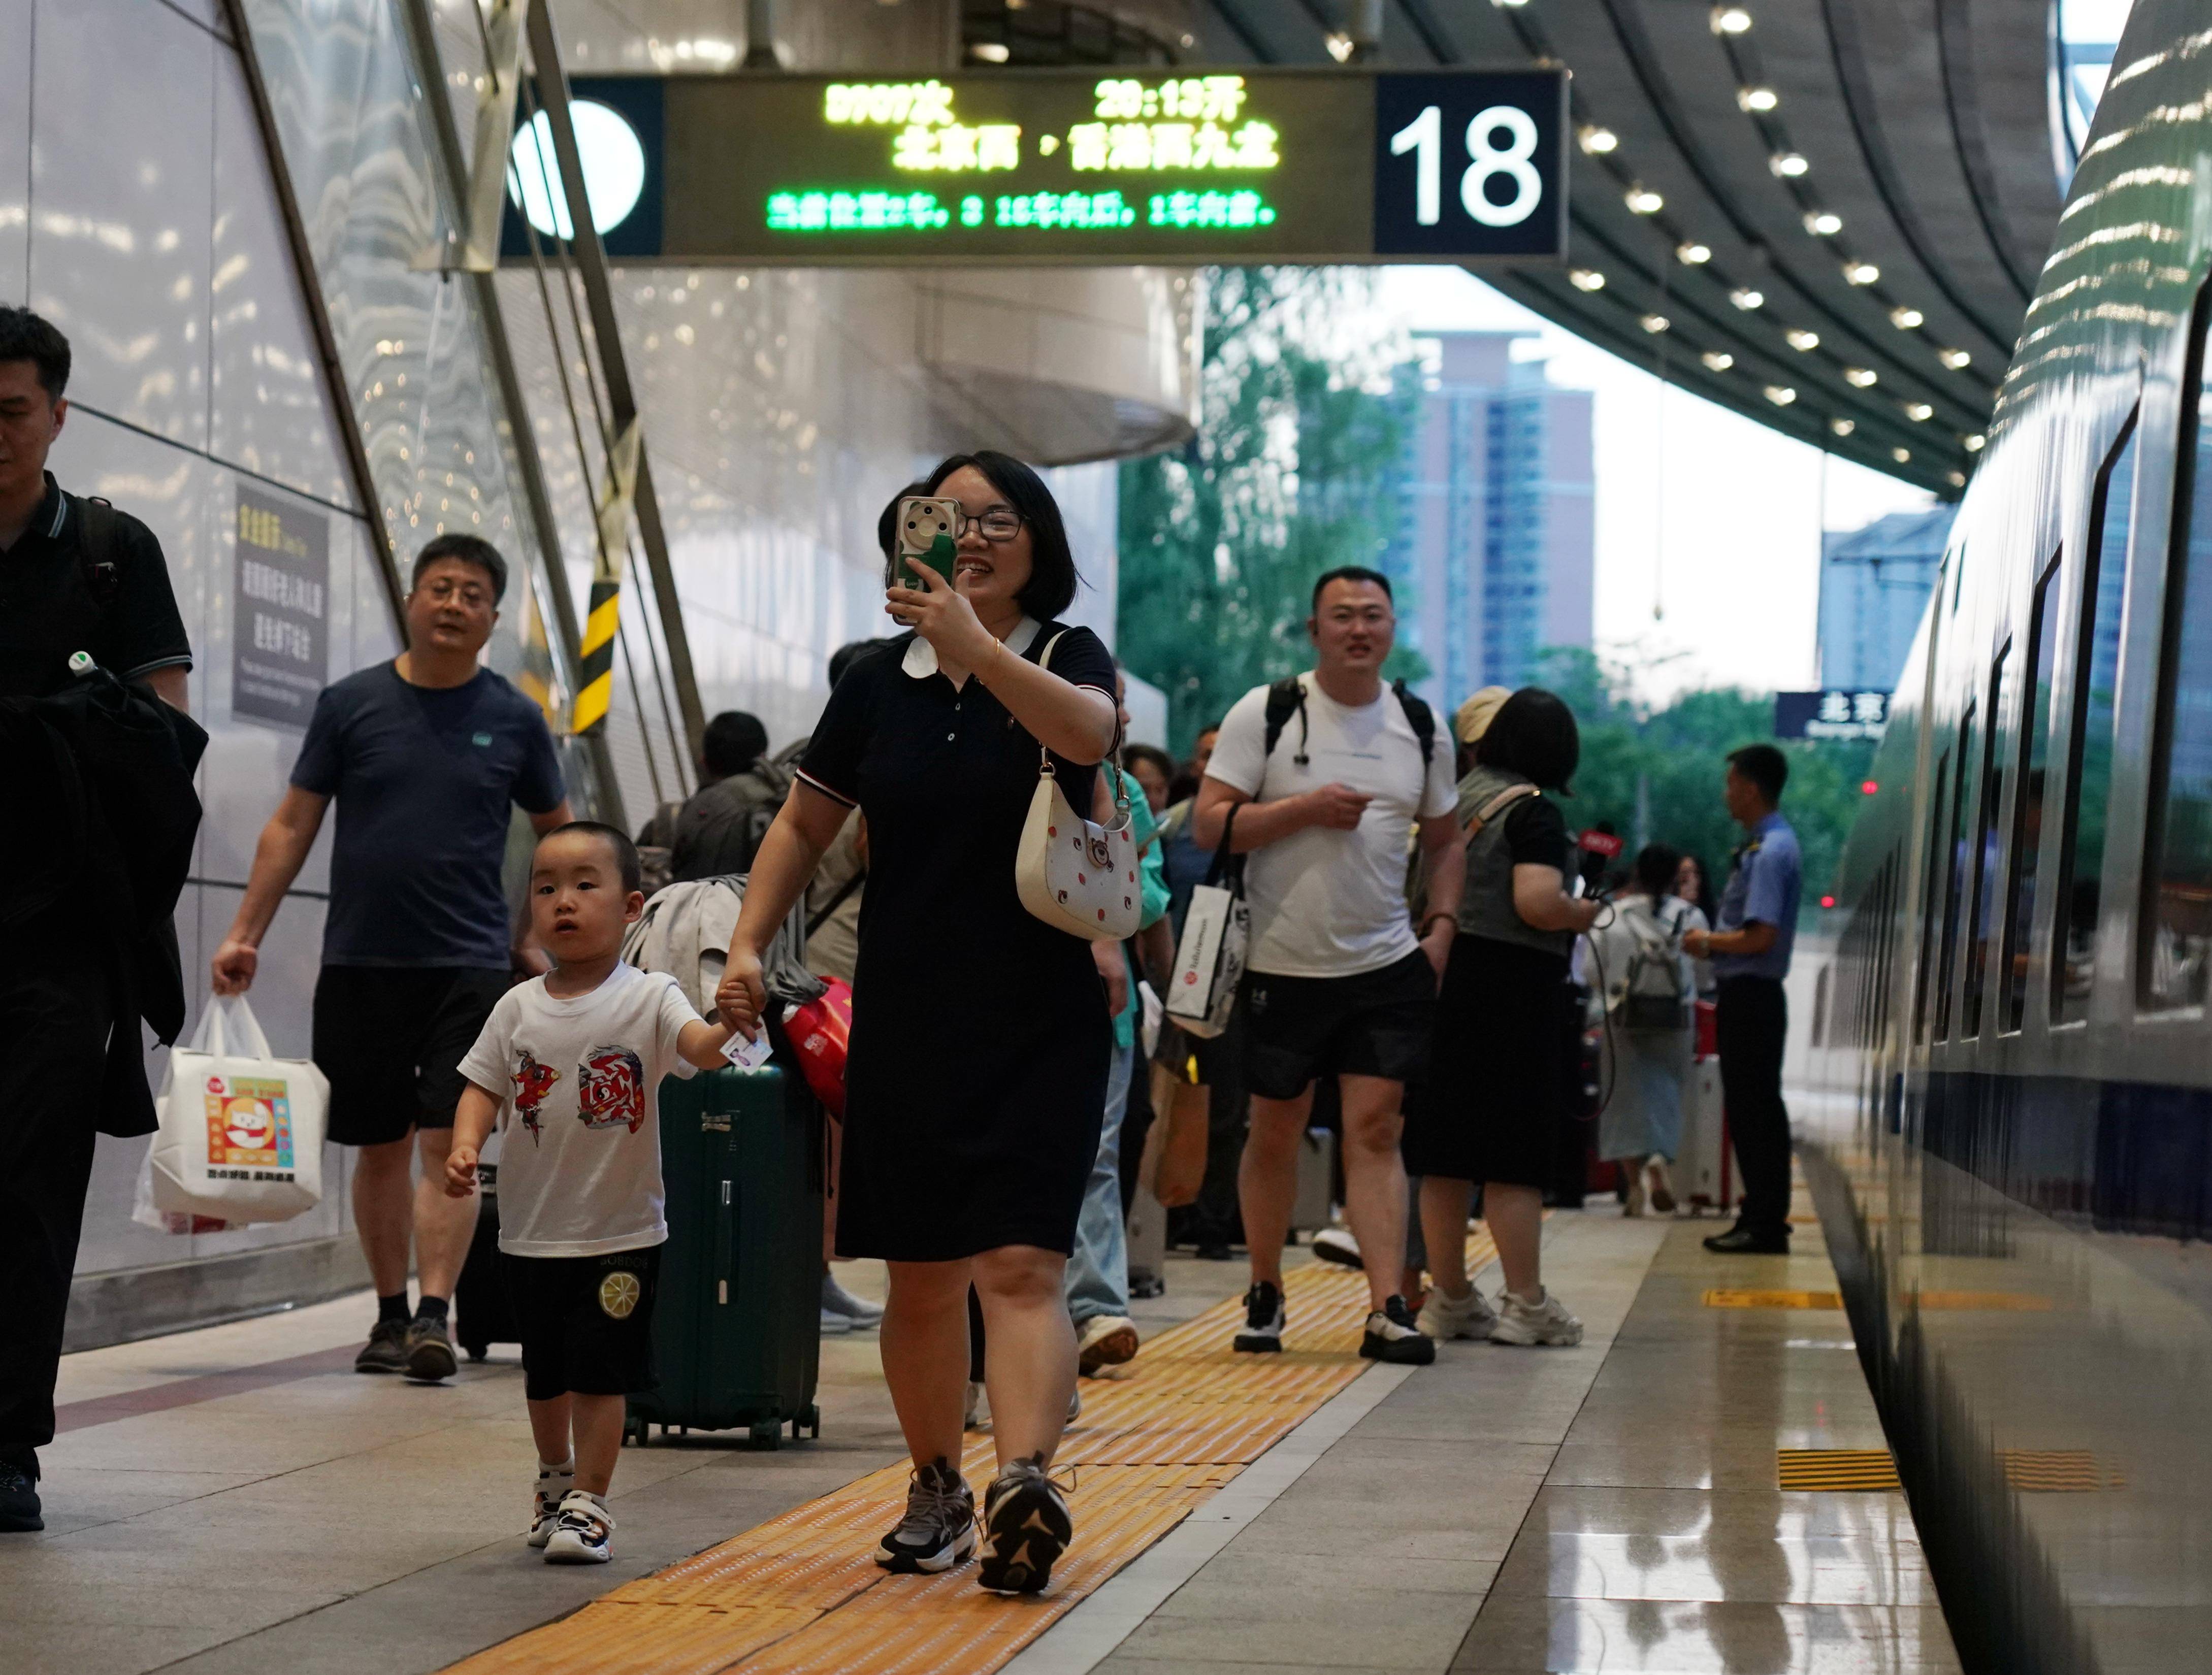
(587, 1322)
(390, 1039)
(1375, 1023)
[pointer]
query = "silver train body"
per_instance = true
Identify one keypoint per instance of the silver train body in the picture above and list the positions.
(2011, 1138)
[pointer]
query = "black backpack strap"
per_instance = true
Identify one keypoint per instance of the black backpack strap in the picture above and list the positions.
(843, 895)
(1285, 698)
(96, 548)
(1421, 718)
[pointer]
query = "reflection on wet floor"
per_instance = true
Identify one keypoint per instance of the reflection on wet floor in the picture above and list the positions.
(1660, 1540)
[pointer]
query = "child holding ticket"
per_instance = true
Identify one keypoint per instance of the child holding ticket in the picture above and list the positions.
(571, 1062)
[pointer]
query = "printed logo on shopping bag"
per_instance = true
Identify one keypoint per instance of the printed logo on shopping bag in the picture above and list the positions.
(249, 1128)
(618, 1294)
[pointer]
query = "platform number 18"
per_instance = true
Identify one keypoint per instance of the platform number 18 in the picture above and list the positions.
(1423, 138)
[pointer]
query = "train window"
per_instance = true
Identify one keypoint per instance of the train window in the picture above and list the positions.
(2035, 685)
(2089, 746)
(1985, 855)
(1954, 858)
(2176, 918)
(1929, 899)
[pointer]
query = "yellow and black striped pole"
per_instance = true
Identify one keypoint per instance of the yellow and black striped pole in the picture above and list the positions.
(595, 670)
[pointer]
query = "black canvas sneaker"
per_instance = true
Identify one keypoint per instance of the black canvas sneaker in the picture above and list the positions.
(1026, 1527)
(939, 1530)
(429, 1349)
(1392, 1336)
(20, 1511)
(1263, 1321)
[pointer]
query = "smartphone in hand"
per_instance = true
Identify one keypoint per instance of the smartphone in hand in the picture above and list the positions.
(925, 523)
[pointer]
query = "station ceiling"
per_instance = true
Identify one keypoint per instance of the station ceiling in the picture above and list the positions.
(1827, 216)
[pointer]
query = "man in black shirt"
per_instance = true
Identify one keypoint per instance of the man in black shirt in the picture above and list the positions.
(75, 576)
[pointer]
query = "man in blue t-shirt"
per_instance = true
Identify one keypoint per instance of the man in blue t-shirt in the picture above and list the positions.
(1750, 952)
(425, 754)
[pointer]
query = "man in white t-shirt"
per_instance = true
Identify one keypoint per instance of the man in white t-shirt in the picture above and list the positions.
(1339, 978)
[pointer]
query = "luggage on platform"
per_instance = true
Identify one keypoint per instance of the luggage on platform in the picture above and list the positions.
(1309, 1206)
(1706, 1175)
(737, 1331)
(484, 1312)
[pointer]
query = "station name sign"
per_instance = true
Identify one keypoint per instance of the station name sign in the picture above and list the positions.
(1098, 167)
(1832, 713)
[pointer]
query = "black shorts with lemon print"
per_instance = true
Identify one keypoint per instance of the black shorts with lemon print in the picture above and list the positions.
(587, 1322)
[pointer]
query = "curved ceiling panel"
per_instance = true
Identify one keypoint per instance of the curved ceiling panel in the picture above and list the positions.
(1853, 197)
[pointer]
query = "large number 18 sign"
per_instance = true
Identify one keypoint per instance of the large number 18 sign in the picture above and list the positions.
(1469, 164)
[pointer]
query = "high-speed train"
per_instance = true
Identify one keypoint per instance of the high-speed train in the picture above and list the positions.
(2012, 1142)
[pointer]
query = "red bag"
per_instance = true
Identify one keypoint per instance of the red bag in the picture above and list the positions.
(820, 1032)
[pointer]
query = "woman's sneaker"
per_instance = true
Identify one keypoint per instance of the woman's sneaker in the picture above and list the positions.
(1662, 1186)
(1444, 1318)
(554, 1486)
(1026, 1527)
(1545, 1322)
(1263, 1321)
(582, 1533)
(1392, 1336)
(1337, 1245)
(836, 1300)
(939, 1530)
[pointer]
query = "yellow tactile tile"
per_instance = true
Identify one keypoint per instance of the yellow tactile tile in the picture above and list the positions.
(800, 1593)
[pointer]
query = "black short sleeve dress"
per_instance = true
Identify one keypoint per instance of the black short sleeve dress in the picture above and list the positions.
(976, 1077)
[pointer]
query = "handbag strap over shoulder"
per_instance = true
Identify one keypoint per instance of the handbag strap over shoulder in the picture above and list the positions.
(1123, 816)
(1497, 805)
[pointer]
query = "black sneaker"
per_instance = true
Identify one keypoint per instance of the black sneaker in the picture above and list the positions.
(429, 1351)
(1741, 1241)
(939, 1530)
(1026, 1527)
(1392, 1335)
(1263, 1321)
(386, 1351)
(20, 1511)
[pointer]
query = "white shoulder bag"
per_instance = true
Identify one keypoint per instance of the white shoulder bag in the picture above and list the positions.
(1073, 873)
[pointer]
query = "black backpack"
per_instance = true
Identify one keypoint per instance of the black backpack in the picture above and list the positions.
(1287, 697)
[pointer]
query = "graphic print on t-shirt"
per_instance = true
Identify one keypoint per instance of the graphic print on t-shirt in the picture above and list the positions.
(533, 1081)
(610, 1089)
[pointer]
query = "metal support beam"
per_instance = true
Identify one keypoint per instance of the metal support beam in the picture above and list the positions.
(591, 267)
(538, 500)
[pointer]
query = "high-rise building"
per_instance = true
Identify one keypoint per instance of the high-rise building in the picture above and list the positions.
(1494, 558)
(1874, 583)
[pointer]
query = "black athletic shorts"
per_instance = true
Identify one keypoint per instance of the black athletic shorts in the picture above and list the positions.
(1375, 1023)
(587, 1322)
(390, 1039)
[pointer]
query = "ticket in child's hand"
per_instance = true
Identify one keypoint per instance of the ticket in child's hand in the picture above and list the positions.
(748, 1054)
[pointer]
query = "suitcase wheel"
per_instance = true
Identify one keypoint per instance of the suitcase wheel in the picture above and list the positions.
(808, 1423)
(636, 1430)
(767, 1435)
(477, 1352)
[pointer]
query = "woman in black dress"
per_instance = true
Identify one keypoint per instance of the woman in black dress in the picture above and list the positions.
(976, 1080)
(1494, 1101)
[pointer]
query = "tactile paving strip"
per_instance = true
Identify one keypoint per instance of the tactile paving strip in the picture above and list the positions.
(2074, 1471)
(799, 1594)
(1835, 1469)
(1722, 1297)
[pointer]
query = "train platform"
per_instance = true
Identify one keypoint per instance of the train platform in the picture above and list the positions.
(236, 1500)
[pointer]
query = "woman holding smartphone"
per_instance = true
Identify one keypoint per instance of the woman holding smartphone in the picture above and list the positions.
(976, 1082)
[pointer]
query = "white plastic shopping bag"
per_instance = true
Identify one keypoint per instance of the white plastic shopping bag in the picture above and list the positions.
(1209, 959)
(242, 1131)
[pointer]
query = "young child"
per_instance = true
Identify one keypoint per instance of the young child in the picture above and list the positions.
(573, 1060)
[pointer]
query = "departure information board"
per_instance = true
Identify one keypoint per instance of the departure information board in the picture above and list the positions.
(1095, 167)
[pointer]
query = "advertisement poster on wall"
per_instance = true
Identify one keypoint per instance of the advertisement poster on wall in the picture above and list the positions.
(280, 629)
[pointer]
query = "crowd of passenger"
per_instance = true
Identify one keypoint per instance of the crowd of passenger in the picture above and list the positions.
(1427, 949)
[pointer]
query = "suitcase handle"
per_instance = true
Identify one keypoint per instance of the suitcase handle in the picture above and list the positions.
(724, 1229)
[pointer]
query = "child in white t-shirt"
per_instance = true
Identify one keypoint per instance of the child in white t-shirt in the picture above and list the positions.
(573, 1061)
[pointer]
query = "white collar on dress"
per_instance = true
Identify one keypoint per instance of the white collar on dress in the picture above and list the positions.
(921, 660)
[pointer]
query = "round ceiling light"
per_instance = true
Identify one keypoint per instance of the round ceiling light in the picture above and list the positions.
(614, 170)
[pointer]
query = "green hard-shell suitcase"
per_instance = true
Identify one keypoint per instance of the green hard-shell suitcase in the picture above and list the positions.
(737, 1331)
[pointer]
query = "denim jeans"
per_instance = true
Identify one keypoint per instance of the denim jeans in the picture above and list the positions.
(1098, 1270)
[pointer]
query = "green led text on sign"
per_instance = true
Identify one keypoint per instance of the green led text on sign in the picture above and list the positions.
(1082, 167)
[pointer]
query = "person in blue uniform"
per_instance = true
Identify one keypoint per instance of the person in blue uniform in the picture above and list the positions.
(976, 1084)
(1750, 952)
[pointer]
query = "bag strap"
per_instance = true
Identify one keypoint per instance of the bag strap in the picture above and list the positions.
(1421, 718)
(1285, 698)
(843, 895)
(1123, 817)
(1226, 863)
(1497, 804)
